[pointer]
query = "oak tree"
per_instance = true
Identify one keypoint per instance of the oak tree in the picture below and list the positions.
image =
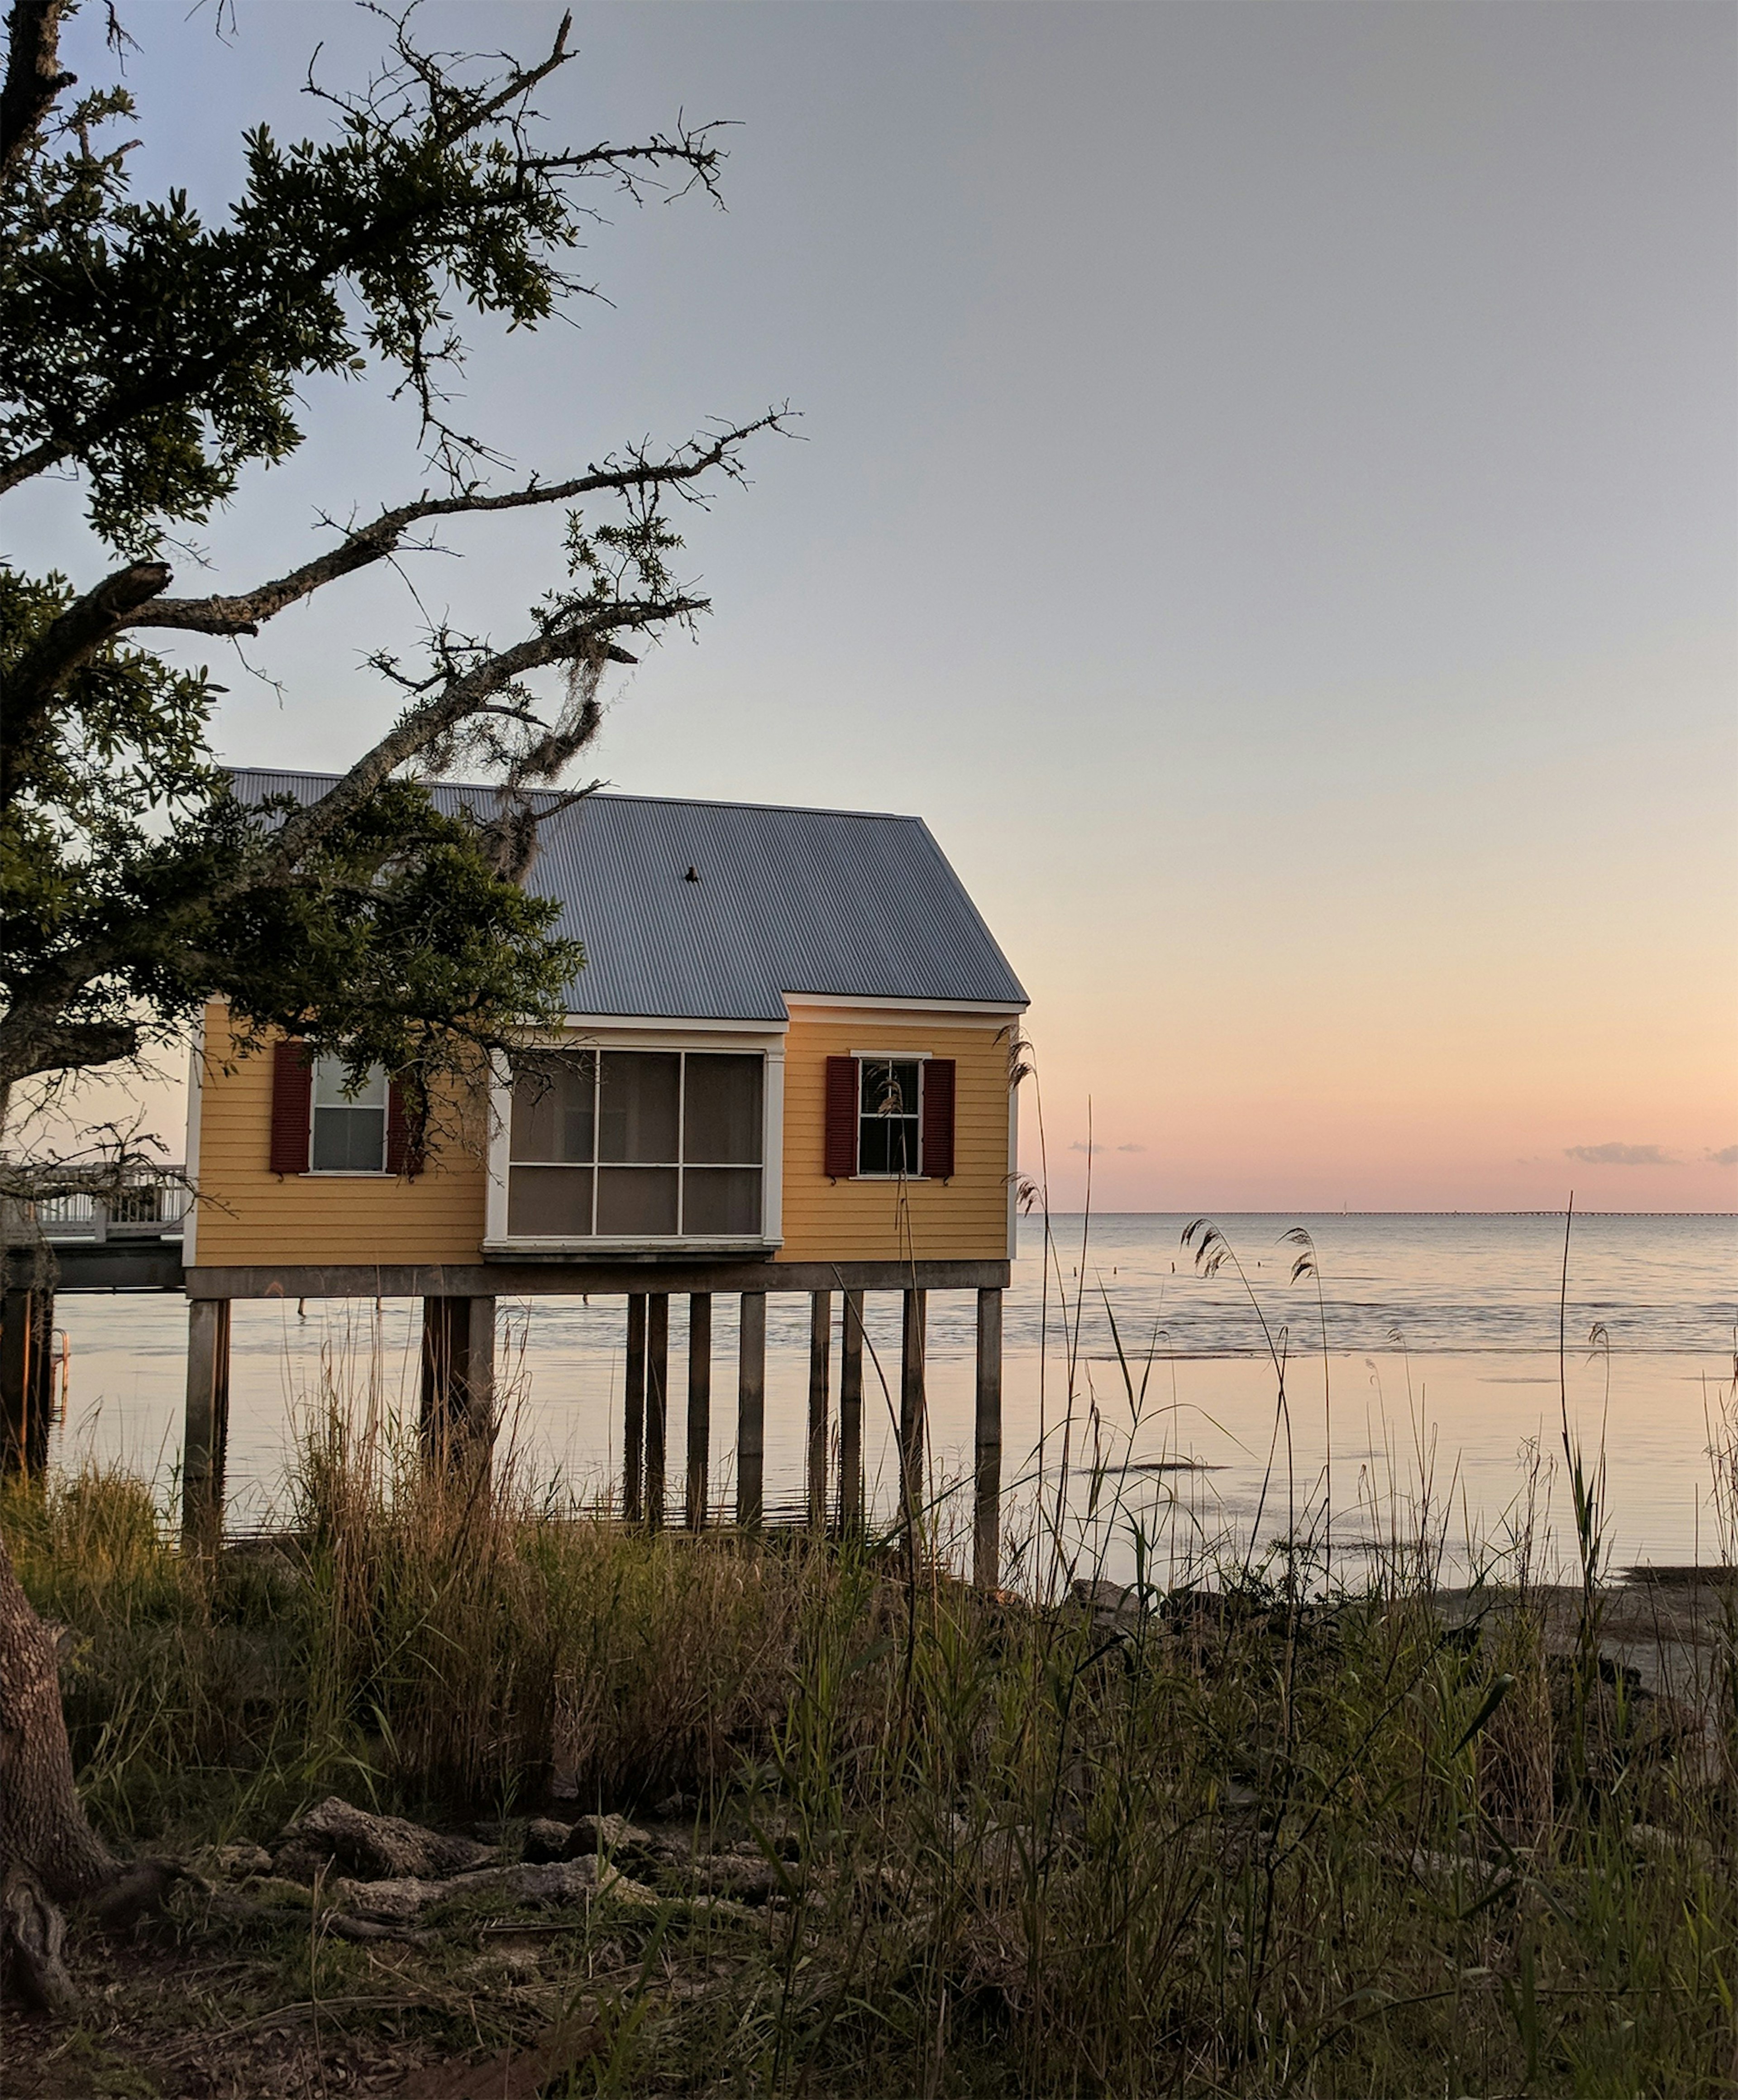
(154, 356)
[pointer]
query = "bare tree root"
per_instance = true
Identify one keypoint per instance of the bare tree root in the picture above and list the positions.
(32, 1935)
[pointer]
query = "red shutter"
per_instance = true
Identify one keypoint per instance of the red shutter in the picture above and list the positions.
(403, 1153)
(938, 1119)
(841, 1118)
(292, 1107)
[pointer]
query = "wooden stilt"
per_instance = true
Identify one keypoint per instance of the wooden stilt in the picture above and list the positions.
(633, 1411)
(699, 1404)
(820, 1354)
(479, 1372)
(657, 1400)
(851, 1414)
(751, 1410)
(987, 1529)
(15, 1380)
(205, 1436)
(912, 1404)
(446, 1342)
(458, 1380)
(27, 1328)
(39, 1380)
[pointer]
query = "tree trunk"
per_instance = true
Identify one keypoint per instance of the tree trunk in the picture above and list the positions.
(48, 1854)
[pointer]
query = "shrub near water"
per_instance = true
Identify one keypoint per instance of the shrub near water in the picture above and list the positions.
(1233, 1842)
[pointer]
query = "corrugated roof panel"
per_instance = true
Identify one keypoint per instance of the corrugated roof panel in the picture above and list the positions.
(788, 900)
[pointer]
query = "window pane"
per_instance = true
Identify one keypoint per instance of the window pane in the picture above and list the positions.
(349, 1141)
(636, 1106)
(889, 1089)
(721, 1199)
(886, 1144)
(721, 1111)
(636, 1201)
(553, 1108)
(551, 1202)
(329, 1086)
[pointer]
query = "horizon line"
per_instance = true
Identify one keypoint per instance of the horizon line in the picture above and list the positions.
(1184, 1211)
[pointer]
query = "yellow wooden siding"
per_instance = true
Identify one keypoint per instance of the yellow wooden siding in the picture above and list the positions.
(255, 1217)
(962, 1220)
(258, 1217)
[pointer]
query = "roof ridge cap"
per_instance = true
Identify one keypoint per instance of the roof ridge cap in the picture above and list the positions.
(615, 795)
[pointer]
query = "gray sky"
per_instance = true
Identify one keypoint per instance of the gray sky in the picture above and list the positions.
(1266, 496)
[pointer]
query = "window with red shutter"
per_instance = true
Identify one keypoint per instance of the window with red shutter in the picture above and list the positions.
(292, 1108)
(938, 1119)
(840, 1141)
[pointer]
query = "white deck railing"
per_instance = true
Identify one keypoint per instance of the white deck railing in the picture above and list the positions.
(152, 1205)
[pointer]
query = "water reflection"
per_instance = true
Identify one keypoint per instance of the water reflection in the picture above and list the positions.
(1439, 1376)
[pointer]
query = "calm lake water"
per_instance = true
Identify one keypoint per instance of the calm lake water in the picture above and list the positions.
(1440, 1370)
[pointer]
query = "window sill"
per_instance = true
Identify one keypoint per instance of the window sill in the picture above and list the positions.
(558, 1249)
(889, 1177)
(346, 1174)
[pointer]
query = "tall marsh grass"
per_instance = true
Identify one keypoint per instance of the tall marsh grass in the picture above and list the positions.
(1253, 1828)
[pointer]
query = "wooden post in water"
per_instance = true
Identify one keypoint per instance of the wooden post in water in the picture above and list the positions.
(851, 1414)
(15, 1380)
(912, 1404)
(986, 1528)
(27, 1334)
(657, 1400)
(458, 1381)
(750, 1410)
(479, 1381)
(700, 1404)
(820, 1354)
(206, 1435)
(633, 1411)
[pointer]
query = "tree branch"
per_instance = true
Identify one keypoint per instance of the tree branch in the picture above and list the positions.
(187, 379)
(377, 541)
(34, 1038)
(33, 78)
(72, 639)
(462, 697)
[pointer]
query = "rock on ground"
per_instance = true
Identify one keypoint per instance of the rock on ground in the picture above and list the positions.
(372, 1848)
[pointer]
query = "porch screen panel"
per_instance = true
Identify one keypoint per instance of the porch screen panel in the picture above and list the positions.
(636, 1202)
(554, 1141)
(721, 1118)
(549, 1202)
(721, 1201)
(636, 1144)
(555, 1109)
(639, 1096)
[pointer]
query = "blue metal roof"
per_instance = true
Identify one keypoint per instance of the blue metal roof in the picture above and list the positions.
(820, 901)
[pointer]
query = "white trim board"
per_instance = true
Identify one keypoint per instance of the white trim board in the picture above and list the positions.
(646, 1035)
(613, 1024)
(967, 1010)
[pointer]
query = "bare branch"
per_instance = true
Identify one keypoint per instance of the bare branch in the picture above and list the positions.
(462, 697)
(635, 475)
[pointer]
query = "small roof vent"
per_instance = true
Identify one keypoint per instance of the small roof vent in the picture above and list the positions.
(692, 875)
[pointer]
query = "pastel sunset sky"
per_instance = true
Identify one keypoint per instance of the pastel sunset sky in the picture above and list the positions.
(1265, 494)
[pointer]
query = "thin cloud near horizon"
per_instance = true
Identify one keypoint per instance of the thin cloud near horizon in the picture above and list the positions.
(1726, 1156)
(1622, 1155)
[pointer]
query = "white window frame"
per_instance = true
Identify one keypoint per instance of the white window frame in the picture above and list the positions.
(381, 1173)
(739, 1038)
(917, 1057)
